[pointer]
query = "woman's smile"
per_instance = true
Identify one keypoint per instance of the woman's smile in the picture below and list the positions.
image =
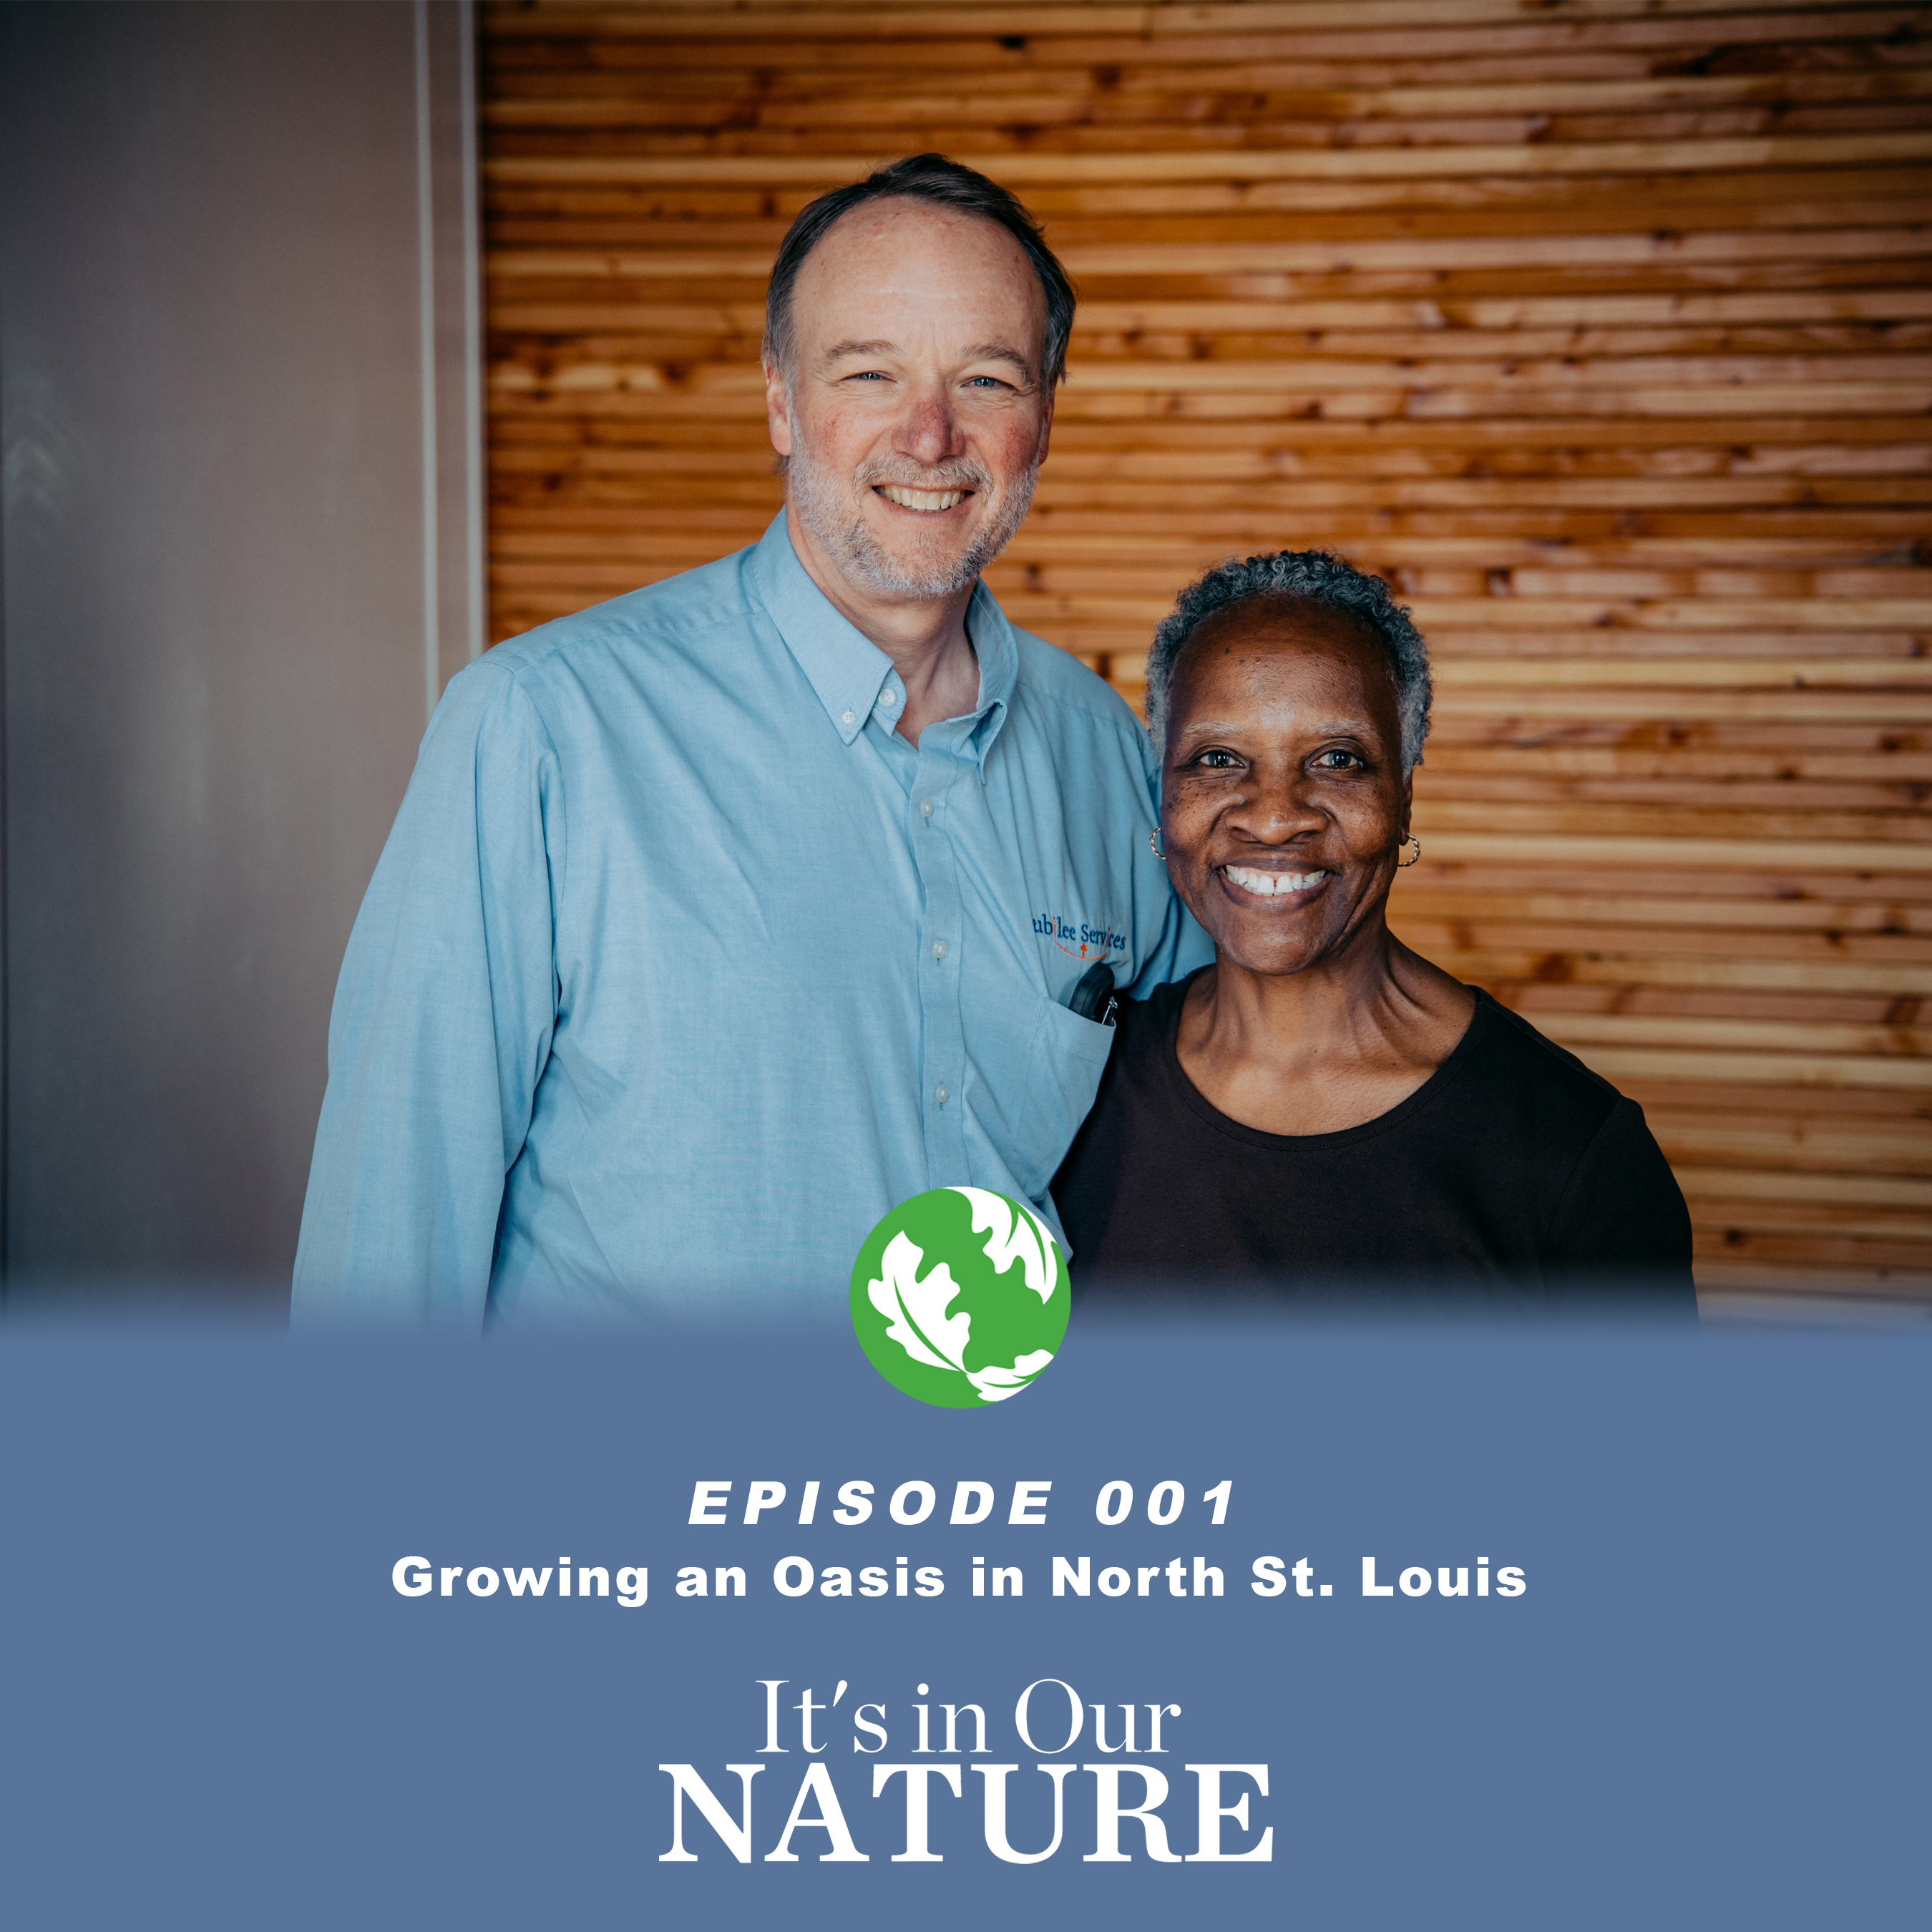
(1277, 887)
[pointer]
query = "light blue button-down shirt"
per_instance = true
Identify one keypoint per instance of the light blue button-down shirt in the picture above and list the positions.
(681, 967)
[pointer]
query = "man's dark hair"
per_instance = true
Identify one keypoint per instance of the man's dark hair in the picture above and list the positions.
(946, 184)
(1300, 576)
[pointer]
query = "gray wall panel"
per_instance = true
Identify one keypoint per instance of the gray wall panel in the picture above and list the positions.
(211, 388)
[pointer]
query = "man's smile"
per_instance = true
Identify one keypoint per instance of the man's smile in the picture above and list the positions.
(910, 499)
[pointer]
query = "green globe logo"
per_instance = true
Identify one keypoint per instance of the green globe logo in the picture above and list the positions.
(958, 1298)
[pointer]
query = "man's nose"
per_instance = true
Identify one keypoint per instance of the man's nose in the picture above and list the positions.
(929, 432)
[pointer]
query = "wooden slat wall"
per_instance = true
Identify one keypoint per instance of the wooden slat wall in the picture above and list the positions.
(1602, 327)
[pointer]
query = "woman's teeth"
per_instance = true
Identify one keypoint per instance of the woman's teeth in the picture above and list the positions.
(919, 499)
(1272, 885)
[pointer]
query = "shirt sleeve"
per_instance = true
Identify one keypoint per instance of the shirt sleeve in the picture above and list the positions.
(442, 1023)
(1621, 1234)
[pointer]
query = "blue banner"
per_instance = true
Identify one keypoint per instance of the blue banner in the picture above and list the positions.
(1212, 1625)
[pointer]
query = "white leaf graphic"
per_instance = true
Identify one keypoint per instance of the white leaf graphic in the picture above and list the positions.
(995, 1384)
(915, 1310)
(1015, 1236)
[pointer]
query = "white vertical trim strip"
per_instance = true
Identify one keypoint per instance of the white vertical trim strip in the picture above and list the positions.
(473, 335)
(426, 323)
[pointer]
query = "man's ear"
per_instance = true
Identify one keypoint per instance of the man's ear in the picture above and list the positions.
(1046, 422)
(777, 408)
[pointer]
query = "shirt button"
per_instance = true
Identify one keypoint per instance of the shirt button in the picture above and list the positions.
(925, 807)
(886, 697)
(848, 717)
(939, 949)
(942, 1094)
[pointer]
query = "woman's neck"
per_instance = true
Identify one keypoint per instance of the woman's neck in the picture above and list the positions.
(1333, 1046)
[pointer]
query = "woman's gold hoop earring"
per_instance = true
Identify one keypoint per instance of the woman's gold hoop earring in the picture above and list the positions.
(1402, 864)
(1154, 844)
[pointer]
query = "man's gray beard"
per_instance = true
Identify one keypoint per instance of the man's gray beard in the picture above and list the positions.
(825, 506)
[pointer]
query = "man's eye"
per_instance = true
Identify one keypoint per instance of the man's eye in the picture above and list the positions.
(1218, 761)
(985, 382)
(1337, 761)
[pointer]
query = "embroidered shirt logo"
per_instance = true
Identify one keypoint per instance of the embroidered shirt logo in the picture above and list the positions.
(1078, 939)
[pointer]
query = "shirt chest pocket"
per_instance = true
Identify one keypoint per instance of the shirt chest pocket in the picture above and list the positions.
(1063, 1068)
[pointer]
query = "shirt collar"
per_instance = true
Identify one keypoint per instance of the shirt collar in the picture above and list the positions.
(846, 669)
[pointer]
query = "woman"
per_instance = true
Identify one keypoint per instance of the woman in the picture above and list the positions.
(1322, 1106)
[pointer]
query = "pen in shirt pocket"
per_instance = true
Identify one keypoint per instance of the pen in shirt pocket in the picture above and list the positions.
(1094, 998)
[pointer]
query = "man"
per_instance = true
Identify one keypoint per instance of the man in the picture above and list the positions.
(720, 918)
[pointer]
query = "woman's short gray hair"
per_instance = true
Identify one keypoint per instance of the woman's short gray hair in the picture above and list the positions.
(1307, 577)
